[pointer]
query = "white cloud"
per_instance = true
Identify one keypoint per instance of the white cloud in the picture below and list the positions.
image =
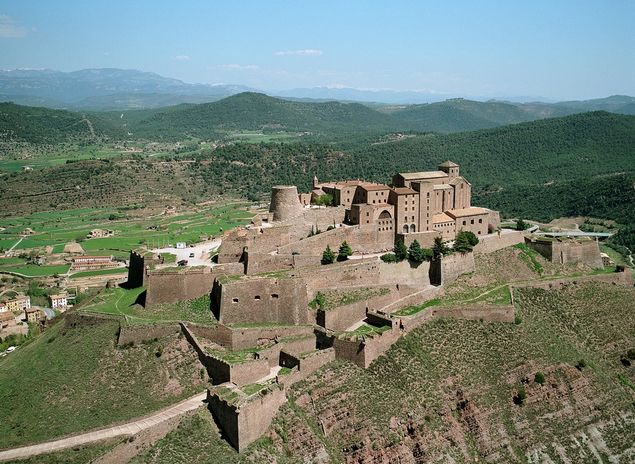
(182, 58)
(9, 28)
(237, 67)
(304, 52)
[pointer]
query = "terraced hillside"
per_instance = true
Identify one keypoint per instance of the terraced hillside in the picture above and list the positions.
(557, 386)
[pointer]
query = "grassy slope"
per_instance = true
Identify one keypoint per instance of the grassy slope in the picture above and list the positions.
(74, 379)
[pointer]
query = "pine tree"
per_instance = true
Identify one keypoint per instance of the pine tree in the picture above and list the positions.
(328, 256)
(401, 252)
(416, 253)
(439, 248)
(344, 252)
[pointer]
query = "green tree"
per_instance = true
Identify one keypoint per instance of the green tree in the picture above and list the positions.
(465, 241)
(401, 252)
(521, 225)
(439, 248)
(344, 252)
(328, 256)
(416, 253)
(539, 378)
(324, 200)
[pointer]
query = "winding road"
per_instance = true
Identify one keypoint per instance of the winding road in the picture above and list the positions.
(129, 428)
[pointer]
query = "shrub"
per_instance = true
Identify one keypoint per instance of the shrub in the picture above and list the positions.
(323, 200)
(539, 378)
(318, 302)
(344, 252)
(630, 354)
(520, 396)
(465, 241)
(521, 225)
(518, 320)
(389, 258)
(581, 364)
(328, 256)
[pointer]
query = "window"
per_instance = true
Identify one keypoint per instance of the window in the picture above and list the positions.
(257, 298)
(367, 214)
(472, 221)
(480, 221)
(274, 296)
(234, 300)
(463, 222)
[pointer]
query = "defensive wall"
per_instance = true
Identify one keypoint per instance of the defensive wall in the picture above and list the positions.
(496, 241)
(257, 240)
(364, 238)
(260, 299)
(364, 350)
(565, 251)
(477, 312)
(257, 263)
(246, 421)
(138, 334)
(171, 285)
(446, 270)
(615, 278)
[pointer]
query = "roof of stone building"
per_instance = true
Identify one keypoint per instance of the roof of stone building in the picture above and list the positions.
(374, 187)
(471, 211)
(404, 191)
(441, 217)
(6, 316)
(422, 175)
(458, 179)
(448, 164)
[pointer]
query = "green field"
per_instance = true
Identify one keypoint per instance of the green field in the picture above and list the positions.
(131, 230)
(119, 270)
(33, 270)
(121, 302)
(74, 379)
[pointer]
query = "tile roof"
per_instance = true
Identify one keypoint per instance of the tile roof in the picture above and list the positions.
(471, 211)
(441, 217)
(422, 175)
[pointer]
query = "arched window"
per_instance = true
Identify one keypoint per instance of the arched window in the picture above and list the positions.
(413, 228)
(405, 228)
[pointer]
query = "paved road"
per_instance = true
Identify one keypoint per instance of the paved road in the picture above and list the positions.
(129, 428)
(201, 252)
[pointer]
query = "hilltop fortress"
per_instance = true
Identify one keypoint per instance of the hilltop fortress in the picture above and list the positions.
(277, 313)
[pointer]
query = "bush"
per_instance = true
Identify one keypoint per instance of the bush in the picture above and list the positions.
(520, 396)
(323, 200)
(465, 241)
(318, 302)
(630, 354)
(389, 258)
(581, 364)
(328, 256)
(439, 248)
(344, 252)
(521, 225)
(518, 320)
(539, 378)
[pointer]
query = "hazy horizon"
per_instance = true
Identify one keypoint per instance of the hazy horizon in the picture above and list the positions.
(568, 51)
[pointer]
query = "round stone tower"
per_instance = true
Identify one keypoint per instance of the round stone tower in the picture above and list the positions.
(285, 202)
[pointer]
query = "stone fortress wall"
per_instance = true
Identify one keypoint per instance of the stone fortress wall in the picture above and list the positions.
(567, 250)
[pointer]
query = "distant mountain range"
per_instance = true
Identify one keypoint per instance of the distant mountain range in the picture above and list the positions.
(121, 89)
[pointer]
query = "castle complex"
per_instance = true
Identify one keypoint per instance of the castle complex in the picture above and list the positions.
(279, 314)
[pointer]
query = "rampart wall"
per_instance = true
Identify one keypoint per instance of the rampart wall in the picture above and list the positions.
(259, 299)
(171, 286)
(584, 251)
(365, 350)
(454, 265)
(484, 312)
(258, 262)
(342, 317)
(616, 278)
(243, 424)
(493, 242)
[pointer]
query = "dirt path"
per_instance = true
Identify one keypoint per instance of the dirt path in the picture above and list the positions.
(130, 428)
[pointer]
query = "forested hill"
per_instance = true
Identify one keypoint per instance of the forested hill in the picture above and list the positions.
(521, 168)
(46, 126)
(254, 111)
(459, 115)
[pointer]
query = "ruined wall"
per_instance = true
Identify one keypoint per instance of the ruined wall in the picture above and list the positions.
(140, 334)
(478, 312)
(352, 273)
(245, 423)
(304, 366)
(415, 298)
(405, 274)
(242, 338)
(256, 240)
(615, 278)
(493, 242)
(165, 286)
(259, 299)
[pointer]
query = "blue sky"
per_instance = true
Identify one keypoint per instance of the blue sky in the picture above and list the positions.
(554, 49)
